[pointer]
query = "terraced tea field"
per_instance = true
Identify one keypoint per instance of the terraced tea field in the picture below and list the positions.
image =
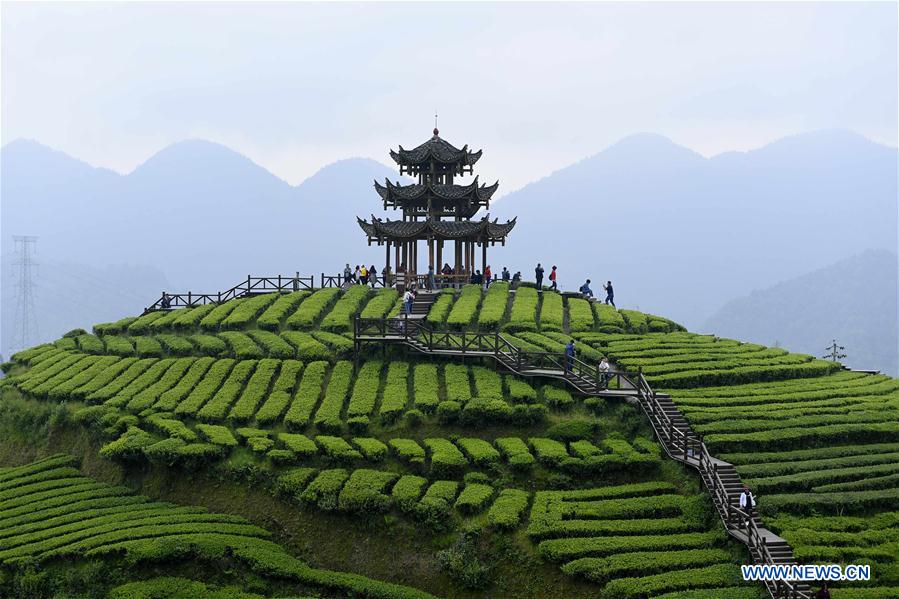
(437, 476)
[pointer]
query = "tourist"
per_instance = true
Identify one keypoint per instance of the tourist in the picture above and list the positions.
(373, 276)
(747, 502)
(569, 356)
(408, 299)
(610, 294)
(447, 274)
(585, 289)
(432, 282)
(165, 303)
(487, 275)
(506, 274)
(823, 592)
(385, 276)
(356, 274)
(604, 371)
(363, 275)
(552, 278)
(516, 279)
(347, 273)
(538, 274)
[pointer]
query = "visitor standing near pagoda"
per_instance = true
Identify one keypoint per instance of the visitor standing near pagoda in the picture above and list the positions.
(538, 274)
(438, 214)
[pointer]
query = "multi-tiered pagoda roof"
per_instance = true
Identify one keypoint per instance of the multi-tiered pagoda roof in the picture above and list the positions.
(436, 208)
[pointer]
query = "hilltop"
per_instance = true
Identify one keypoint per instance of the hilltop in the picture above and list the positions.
(447, 476)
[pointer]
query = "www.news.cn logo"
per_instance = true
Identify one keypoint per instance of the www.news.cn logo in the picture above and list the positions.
(809, 573)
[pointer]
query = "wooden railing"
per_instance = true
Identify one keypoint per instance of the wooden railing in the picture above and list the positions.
(585, 377)
(682, 445)
(690, 449)
(251, 286)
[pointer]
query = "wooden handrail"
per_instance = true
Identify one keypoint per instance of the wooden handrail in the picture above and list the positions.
(252, 285)
(682, 445)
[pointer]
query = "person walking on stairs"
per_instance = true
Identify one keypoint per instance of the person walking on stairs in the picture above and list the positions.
(408, 299)
(538, 274)
(610, 294)
(569, 356)
(552, 280)
(604, 370)
(747, 502)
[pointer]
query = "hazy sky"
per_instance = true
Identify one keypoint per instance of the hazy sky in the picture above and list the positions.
(538, 86)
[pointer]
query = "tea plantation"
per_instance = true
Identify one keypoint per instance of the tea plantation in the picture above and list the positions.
(241, 450)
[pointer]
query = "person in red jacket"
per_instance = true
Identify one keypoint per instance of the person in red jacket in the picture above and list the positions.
(487, 276)
(552, 278)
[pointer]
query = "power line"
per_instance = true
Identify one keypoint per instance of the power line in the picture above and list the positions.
(26, 327)
(834, 352)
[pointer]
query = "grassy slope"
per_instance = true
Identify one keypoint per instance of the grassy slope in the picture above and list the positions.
(375, 546)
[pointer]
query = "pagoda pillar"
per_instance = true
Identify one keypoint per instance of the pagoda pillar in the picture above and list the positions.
(431, 252)
(468, 258)
(483, 256)
(387, 261)
(439, 265)
(458, 256)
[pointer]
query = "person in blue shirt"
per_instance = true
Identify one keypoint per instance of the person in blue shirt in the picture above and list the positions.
(585, 289)
(569, 356)
(610, 293)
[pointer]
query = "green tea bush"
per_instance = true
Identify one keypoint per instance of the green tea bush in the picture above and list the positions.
(246, 311)
(551, 311)
(324, 490)
(364, 492)
(523, 316)
(217, 407)
(273, 345)
(312, 308)
(340, 318)
(506, 511)
(580, 315)
(465, 307)
(396, 391)
(306, 346)
(242, 345)
(306, 396)
(494, 307)
(271, 318)
(327, 418)
(425, 386)
(446, 459)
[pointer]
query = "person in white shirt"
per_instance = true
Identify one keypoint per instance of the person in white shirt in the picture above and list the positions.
(604, 370)
(747, 502)
(408, 298)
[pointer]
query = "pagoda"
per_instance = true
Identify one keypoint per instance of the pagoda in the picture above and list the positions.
(436, 210)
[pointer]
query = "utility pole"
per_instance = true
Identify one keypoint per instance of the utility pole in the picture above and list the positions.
(834, 352)
(26, 327)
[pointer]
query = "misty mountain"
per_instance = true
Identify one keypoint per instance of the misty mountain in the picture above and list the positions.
(853, 301)
(201, 213)
(680, 234)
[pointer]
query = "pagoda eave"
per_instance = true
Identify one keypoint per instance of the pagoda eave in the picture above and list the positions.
(398, 230)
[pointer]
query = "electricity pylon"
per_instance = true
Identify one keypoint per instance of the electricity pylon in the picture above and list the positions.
(26, 326)
(834, 352)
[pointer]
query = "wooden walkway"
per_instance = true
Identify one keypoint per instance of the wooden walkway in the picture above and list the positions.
(671, 429)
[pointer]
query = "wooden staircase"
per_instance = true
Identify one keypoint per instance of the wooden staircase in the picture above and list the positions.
(672, 430)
